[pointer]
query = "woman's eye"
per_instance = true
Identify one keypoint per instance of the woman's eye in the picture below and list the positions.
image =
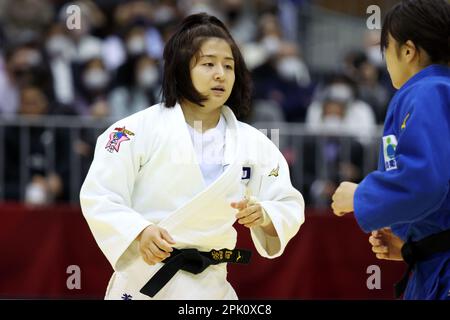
(230, 67)
(209, 64)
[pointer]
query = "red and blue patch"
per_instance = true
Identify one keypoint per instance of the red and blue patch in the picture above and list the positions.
(116, 138)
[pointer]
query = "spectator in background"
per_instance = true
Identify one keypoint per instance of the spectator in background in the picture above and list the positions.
(128, 11)
(134, 41)
(24, 20)
(357, 117)
(9, 103)
(61, 52)
(141, 92)
(283, 78)
(331, 157)
(370, 89)
(372, 48)
(42, 163)
(93, 97)
(24, 66)
(239, 16)
(87, 46)
(375, 58)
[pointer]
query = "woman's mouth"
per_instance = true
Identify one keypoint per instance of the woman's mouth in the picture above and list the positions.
(218, 90)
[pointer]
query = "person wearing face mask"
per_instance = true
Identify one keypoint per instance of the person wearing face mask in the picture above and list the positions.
(60, 50)
(24, 66)
(329, 161)
(94, 89)
(45, 175)
(290, 66)
(239, 15)
(284, 79)
(140, 93)
(135, 43)
(371, 90)
(358, 119)
(372, 48)
(95, 79)
(134, 39)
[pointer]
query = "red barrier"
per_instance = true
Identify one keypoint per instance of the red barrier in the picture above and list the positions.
(328, 259)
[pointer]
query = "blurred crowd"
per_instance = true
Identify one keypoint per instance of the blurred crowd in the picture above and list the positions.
(111, 67)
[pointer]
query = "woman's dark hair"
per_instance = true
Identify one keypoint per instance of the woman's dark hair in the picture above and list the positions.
(425, 22)
(178, 52)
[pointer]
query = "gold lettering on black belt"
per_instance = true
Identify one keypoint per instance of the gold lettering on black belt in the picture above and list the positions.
(193, 261)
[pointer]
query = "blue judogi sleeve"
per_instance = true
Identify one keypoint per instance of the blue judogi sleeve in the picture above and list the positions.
(419, 182)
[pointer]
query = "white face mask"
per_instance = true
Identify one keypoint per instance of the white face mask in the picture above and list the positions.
(34, 58)
(147, 77)
(291, 69)
(136, 45)
(254, 55)
(96, 79)
(374, 55)
(340, 92)
(58, 45)
(332, 121)
(271, 44)
(36, 194)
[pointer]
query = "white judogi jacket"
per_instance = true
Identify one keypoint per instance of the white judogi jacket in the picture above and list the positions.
(145, 172)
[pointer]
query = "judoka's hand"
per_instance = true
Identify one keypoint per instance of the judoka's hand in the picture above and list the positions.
(386, 245)
(155, 244)
(343, 198)
(250, 213)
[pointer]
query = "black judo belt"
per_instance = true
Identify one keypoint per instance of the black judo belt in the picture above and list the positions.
(415, 251)
(193, 261)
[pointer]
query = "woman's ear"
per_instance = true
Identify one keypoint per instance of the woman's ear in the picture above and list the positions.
(410, 51)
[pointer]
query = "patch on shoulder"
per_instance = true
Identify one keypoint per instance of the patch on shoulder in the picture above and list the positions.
(389, 147)
(116, 137)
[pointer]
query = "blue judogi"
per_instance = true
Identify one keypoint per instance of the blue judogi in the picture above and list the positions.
(410, 190)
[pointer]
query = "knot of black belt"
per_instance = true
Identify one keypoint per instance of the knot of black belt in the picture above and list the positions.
(415, 251)
(193, 261)
(410, 256)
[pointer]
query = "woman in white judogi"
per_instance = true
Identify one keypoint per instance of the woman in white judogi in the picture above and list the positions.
(177, 175)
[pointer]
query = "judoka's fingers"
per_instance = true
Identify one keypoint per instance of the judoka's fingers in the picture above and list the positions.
(375, 241)
(336, 210)
(166, 236)
(255, 223)
(385, 232)
(380, 249)
(148, 258)
(384, 256)
(157, 252)
(163, 245)
(240, 205)
(250, 218)
(249, 210)
(376, 234)
(151, 260)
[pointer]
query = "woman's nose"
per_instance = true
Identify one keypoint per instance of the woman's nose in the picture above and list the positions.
(220, 73)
